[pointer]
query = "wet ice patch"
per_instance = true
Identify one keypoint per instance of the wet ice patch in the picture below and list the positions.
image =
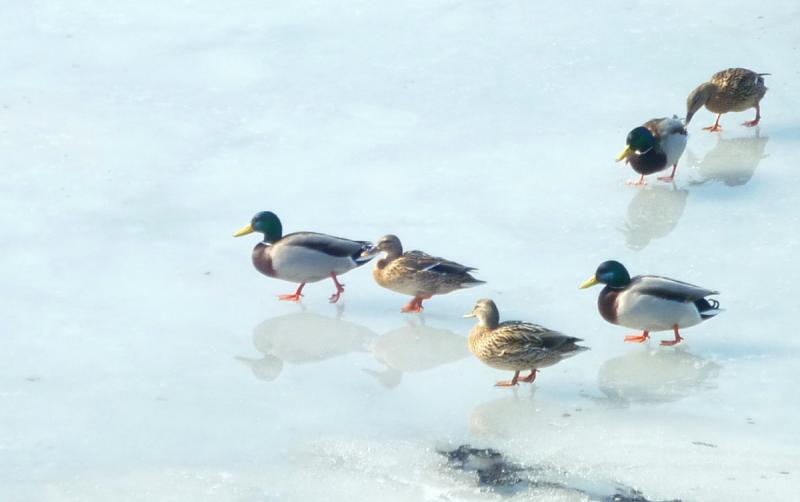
(499, 474)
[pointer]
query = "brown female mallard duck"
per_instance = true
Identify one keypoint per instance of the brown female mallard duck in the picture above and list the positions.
(731, 90)
(416, 273)
(516, 345)
(302, 257)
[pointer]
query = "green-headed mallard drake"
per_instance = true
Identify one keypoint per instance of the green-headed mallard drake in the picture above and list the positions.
(649, 302)
(417, 274)
(731, 90)
(655, 146)
(303, 257)
(515, 345)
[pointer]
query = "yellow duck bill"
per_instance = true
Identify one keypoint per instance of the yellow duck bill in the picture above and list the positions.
(624, 153)
(588, 283)
(471, 314)
(244, 231)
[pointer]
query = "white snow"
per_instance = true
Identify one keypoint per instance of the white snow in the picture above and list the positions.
(136, 137)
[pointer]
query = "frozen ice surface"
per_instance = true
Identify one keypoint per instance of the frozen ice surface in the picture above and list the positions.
(145, 359)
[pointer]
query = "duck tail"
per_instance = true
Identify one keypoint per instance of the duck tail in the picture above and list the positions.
(471, 282)
(571, 347)
(360, 258)
(707, 307)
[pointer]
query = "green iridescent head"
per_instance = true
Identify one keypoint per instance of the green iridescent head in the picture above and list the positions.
(265, 222)
(611, 273)
(639, 141)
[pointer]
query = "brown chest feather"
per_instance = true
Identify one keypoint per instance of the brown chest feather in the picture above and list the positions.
(262, 261)
(607, 304)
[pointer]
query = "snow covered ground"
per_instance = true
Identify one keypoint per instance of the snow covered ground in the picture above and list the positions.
(143, 358)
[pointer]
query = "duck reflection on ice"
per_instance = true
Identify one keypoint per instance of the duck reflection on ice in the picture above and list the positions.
(653, 213)
(655, 376)
(501, 418)
(733, 161)
(415, 347)
(304, 337)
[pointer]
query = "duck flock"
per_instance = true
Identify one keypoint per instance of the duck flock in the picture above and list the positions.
(646, 303)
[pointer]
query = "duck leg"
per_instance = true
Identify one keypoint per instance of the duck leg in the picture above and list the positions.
(530, 378)
(671, 177)
(506, 383)
(638, 338)
(716, 127)
(339, 290)
(293, 297)
(754, 122)
(414, 306)
(677, 340)
(637, 183)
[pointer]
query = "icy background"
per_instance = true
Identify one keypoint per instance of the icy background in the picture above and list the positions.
(143, 358)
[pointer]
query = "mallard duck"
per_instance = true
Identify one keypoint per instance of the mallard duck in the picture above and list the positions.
(731, 90)
(516, 345)
(303, 257)
(655, 146)
(416, 273)
(649, 302)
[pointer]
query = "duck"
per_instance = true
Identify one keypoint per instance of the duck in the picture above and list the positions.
(649, 302)
(303, 257)
(515, 345)
(655, 146)
(416, 273)
(730, 90)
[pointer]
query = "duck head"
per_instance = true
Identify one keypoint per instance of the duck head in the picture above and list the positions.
(265, 222)
(389, 244)
(639, 141)
(697, 98)
(611, 273)
(486, 312)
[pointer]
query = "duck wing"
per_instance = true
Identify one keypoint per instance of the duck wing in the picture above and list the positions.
(517, 337)
(669, 289)
(737, 77)
(418, 261)
(329, 244)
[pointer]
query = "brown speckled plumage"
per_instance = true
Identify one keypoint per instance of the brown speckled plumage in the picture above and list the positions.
(419, 274)
(731, 90)
(738, 89)
(517, 345)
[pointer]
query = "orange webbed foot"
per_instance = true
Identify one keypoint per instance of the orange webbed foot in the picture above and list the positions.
(638, 338)
(339, 290)
(505, 383)
(530, 378)
(413, 307)
(669, 343)
(294, 297)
